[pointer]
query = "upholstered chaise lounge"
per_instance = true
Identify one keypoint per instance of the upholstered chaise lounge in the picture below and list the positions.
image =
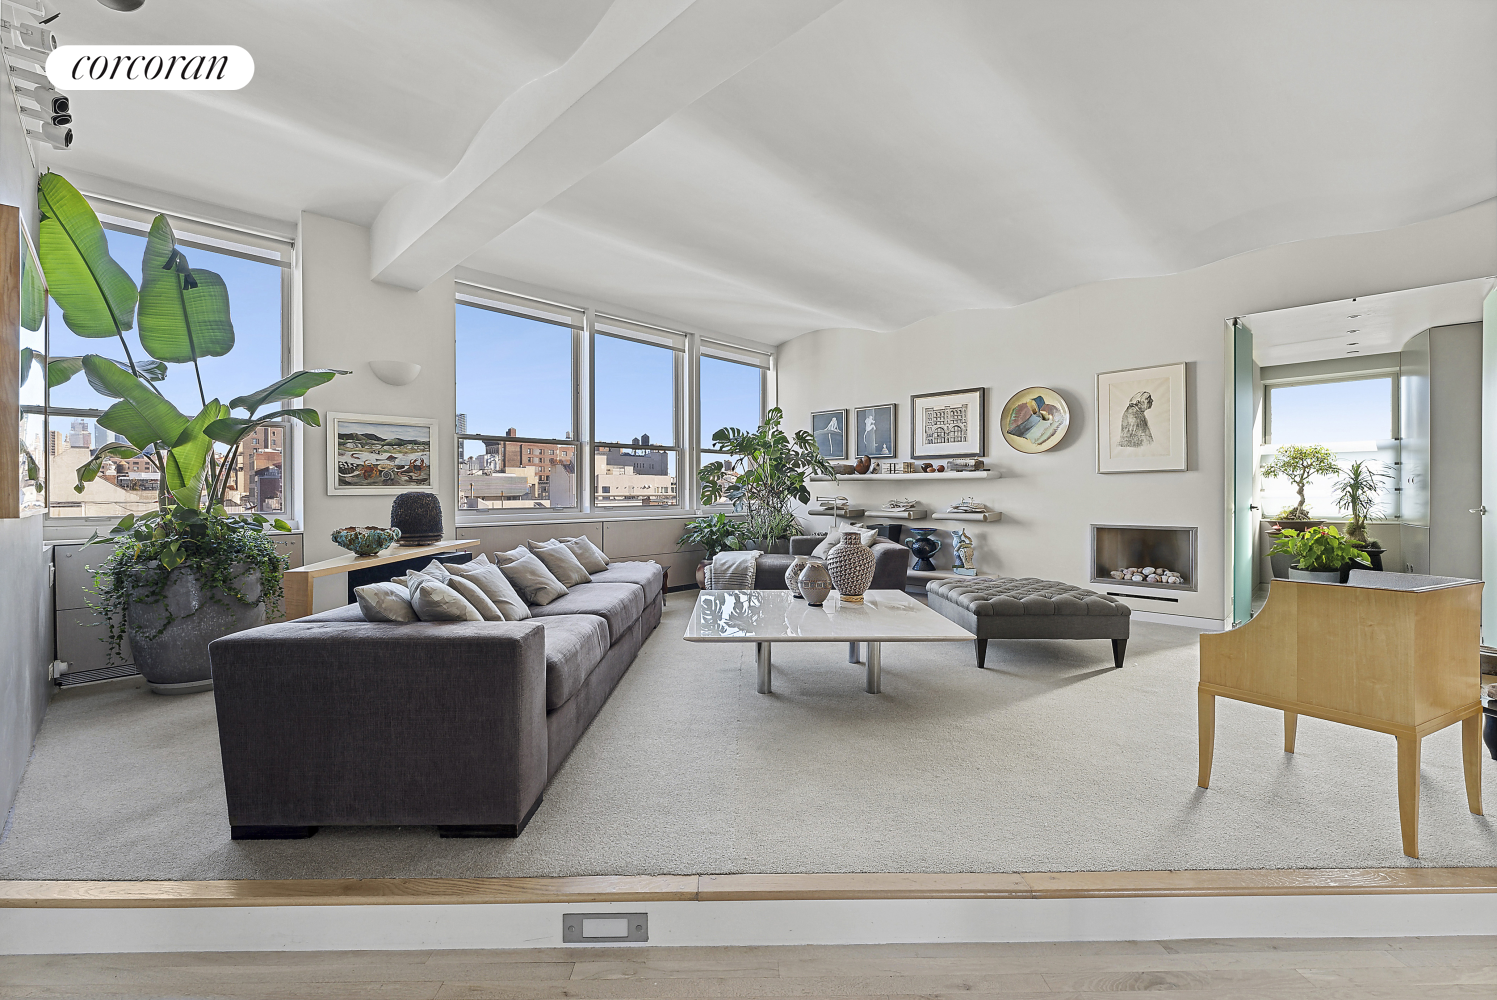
(1029, 608)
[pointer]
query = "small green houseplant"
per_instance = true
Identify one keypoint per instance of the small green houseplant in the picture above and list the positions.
(1299, 463)
(1357, 494)
(187, 571)
(712, 533)
(1319, 553)
(772, 471)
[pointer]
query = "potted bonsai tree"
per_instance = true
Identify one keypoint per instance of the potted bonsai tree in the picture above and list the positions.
(771, 471)
(1321, 554)
(1357, 494)
(187, 571)
(1299, 463)
(713, 533)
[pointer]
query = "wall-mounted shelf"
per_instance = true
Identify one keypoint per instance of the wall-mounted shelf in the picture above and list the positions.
(821, 512)
(981, 474)
(902, 515)
(987, 515)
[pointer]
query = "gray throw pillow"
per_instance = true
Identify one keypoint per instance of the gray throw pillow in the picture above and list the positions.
(437, 602)
(436, 570)
(475, 596)
(530, 576)
(492, 581)
(592, 558)
(561, 561)
(385, 602)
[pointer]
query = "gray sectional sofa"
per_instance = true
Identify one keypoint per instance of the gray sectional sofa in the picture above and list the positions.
(331, 720)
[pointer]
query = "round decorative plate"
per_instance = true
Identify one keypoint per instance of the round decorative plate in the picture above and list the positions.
(1035, 419)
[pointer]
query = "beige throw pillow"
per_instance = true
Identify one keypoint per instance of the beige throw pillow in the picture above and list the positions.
(834, 538)
(437, 602)
(495, 585)
(592, 558)
(530, 576)
(561, 561)
(385, 602)
(474, 595)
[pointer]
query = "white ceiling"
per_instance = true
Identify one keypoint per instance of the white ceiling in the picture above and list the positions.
(1370, 324)
(886, 161)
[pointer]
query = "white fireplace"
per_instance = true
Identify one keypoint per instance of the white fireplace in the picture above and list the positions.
(1147, 557)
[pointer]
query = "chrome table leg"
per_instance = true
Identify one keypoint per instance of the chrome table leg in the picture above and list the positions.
(761, 649)
(852, 652)
(874, 684)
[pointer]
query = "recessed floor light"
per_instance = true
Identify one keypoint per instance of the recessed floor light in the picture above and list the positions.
(1352, 343)
(1353, 352)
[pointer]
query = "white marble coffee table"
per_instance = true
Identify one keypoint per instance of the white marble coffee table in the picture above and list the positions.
(765, 617)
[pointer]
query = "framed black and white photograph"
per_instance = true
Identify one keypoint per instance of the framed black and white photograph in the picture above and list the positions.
(874, 428)
(1141, 415)
(948, 424)
(829, 428)
(374, 454)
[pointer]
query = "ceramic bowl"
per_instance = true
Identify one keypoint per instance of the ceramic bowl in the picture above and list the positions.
(366, 541)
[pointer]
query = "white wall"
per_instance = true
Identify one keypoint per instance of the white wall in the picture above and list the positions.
(347, 320)
(1063, 341)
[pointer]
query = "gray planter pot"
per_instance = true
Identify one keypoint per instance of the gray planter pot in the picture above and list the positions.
(1315, 576)
(176, 661)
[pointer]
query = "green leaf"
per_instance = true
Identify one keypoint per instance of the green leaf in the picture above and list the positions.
(123, 418)
(27, 357)
(289, 387)
(281, 525)
(59, 370)
(96, 295)
(188, 461)
(230, 430)
(184, 312)
(33, 293)
(33, 471)
(151, 371)
(163, 419)
(89, 471)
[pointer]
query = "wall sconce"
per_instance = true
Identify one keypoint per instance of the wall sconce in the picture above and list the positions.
(395, 372)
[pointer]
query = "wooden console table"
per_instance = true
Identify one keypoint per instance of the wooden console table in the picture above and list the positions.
(298, 582)
(1396, 653)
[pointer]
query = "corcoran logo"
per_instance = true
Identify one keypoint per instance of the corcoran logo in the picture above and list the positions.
(150, 67)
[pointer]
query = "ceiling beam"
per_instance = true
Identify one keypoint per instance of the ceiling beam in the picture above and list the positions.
(645, 61)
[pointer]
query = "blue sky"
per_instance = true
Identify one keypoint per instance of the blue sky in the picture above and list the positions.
(254, 307)
(1332, 412)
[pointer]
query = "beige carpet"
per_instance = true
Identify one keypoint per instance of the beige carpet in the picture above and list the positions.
(1048, 760)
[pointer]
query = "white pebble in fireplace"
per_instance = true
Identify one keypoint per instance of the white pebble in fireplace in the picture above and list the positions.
(1144, 556)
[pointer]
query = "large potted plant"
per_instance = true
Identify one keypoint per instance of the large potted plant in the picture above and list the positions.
(1299, 463)
(712, 533)
(1357, 494)
(769, 471)
(188, 571)
(1321, 554)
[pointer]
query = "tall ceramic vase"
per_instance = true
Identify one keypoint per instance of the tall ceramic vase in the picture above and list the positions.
(813, 583)
(792, 576)
(850, 565)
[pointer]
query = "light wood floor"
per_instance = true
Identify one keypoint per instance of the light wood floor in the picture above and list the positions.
(1262, 969)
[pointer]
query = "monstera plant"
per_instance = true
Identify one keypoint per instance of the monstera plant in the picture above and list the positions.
(768, 469)
(187, 571)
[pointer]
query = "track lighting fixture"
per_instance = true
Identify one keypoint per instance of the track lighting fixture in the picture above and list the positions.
(29, 39)
(56, 136)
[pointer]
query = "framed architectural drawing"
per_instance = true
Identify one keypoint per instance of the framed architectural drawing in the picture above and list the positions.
(829, 428)
(948, 424)
(373, 454)
(875, 431)
(1141, 420)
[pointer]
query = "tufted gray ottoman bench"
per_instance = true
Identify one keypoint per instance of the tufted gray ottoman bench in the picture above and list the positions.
(1027, 608)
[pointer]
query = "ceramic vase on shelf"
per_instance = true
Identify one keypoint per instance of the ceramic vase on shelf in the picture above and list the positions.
(792, 575)
(813, 583)
(850, 566)
(924, 545)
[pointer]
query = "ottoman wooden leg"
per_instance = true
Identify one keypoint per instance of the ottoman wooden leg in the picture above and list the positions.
(982, 652)
(1118, 646)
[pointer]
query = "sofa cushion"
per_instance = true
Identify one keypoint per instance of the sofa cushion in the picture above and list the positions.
(530, 576)
(561, 561)
(592, 558)
(575, 644)
(492, 581)
(647, 575)
(437, 602)
(619, 604)
(385, 602)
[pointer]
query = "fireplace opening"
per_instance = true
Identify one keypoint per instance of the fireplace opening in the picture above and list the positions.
(1134, 555)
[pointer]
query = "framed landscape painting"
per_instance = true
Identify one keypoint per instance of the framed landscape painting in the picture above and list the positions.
(829, 428)
(875, 429)
(374, 454)
(948, 424)
(1141, 420)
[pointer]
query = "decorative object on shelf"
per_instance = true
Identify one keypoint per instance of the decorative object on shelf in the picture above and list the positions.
(844, 469)
(863, 465)
(898, 468)
(814, 583)
(948, 424)
(792, 575)
(829, 428)
(967, 505)
(1142, 411)
(374, 454)
(963, 553)
(1322, 554)
(367, 541)
(395, 372)
(833, 505)
(874, 426)
(1035, 420)
(850, 565)
(901, 504)
(965, 465)
(1148, 574)
(923, 545)
(418, 517)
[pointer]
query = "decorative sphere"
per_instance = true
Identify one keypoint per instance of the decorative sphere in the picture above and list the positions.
(418, 515)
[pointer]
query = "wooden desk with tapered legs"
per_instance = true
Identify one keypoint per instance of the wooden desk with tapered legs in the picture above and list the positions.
(1406, 662)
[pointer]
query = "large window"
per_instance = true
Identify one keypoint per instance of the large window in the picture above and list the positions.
(635, 375)
(732, 395)
(63, 427)
(1354, 418)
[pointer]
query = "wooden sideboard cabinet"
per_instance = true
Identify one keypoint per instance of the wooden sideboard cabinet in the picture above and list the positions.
(1398, 653)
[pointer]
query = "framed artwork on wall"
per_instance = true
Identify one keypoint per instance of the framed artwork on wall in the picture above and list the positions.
(1034, 420)
(948, 424)
(829, 428)
(1141, 420)
(874, 426)
(373, 454)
